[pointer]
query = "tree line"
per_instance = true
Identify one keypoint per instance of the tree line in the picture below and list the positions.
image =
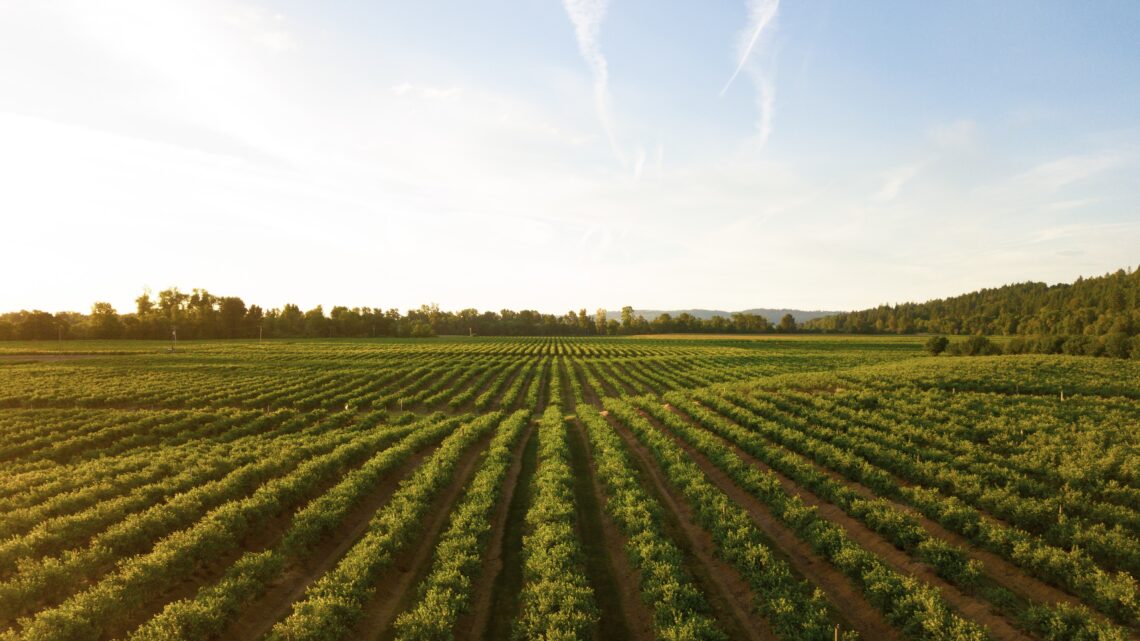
(1099, 306)
(202, 315)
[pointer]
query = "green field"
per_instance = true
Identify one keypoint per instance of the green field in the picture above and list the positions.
(566, 488)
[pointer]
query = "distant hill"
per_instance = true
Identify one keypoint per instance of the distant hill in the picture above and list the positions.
(1108, 304)
(773, 315)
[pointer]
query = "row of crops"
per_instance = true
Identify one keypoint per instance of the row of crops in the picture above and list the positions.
(561, 489)
(456, 374)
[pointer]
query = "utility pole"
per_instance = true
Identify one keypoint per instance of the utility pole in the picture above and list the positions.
(173, 339)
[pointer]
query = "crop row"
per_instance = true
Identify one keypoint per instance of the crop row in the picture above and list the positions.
(556, 601)
(1107, 531)
(334, 603)
(89, 613)
(207, 613)
(446, 592)
(949, 561)
(1073, 570)
(680, 611)
(792, 607)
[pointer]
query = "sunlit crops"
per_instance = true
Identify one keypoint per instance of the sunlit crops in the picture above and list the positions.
(566, 488)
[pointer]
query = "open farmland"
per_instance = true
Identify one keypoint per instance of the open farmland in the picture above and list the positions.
(566, 488)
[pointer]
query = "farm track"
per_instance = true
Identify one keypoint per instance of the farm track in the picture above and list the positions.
(1032, 587)
(259, 616)
(970, 606)
(260, 539)
(396, 585)
(499, 400)
(623, 613)
(187, 585)
(588, 392)
(995, 567)
(840, 592)
(839, 423)
(471, 625)
(728, 593)
(502, 600)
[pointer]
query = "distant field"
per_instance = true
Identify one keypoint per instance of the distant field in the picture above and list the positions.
(681, 487)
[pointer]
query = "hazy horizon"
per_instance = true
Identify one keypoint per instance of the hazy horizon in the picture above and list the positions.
(553, 156)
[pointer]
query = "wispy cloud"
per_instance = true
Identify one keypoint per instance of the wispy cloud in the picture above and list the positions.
(428, 93)
(587, 15)
(894, 180)
(761, 19)
(1055, 174)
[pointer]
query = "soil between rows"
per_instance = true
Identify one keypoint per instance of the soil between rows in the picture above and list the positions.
(971, 607)
(616, 583)
(471, 625)
(728, 594)
(396, 587)
(838, 589)
(259, 616)
(188, 585)
(262, 538)
(995, 567)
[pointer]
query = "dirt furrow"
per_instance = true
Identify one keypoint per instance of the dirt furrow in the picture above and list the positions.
(995, 567)
(469, 406)
(591, 395)
(616, 583)
(846, 599)
(268, 534)
(471, 625)
(257, 617)
(396, 585)
(493, 613)
(727, 592)
(970, 606)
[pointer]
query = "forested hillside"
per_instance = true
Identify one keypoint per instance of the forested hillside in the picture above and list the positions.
(1104, 305)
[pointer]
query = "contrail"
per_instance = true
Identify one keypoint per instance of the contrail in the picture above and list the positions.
(761, 13)
(587, 15)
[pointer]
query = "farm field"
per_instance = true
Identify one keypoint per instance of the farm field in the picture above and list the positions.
(796, 488)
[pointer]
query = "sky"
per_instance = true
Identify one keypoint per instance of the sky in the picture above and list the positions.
(550, 155)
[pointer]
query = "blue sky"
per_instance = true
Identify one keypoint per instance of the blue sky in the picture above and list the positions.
(558, 155)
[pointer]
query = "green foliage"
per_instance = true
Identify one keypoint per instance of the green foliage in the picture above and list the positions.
(446, 592)
(126, 477)
(334, 603)
(793, 608)
(556, 601)
(974, 346)
(680, 612)
(1090, 306)
(937, 344)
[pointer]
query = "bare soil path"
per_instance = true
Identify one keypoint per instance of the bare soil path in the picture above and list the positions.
(728, 594)
(494, 623)
(623, 614)
(268, 534)
(995, 567)
(257, 617)
(396, 587)
(849, 605)
(840, 589)
(471, 625)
